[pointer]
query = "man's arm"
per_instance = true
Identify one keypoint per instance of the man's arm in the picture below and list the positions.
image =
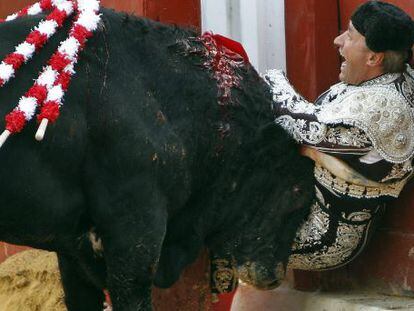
(294, 113)
(299, 118)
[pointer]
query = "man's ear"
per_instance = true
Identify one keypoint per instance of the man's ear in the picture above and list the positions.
(375, 59)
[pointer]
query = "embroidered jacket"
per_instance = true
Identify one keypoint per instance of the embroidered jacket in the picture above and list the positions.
(370, 128)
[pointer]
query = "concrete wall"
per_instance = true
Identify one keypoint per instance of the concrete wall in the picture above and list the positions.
(257, 24)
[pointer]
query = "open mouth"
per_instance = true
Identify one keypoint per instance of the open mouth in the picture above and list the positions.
(343, 60)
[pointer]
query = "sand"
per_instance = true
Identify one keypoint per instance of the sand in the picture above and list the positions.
(30, 281)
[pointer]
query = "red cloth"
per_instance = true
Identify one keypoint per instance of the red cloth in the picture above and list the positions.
(232, 46)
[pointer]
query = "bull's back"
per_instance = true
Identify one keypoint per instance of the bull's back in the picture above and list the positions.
(157, 110)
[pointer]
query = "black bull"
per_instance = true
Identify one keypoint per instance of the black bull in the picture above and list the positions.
(136, 160)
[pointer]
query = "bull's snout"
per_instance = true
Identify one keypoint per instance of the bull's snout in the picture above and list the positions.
(261, 276)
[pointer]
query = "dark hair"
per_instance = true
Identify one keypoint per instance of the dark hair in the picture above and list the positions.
(385, 26)
(395, 61)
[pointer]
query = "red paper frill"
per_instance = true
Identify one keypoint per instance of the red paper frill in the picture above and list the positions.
(46, 4)
(23, 12)
(58, 61)
(64, 80)
(14, 59)
(50, 111)
(234, 48)
(37, 39)
(15, 121)
(39, 92)
(58, 16)
(81, 34)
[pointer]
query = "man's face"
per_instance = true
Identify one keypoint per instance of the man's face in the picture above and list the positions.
(352, 47)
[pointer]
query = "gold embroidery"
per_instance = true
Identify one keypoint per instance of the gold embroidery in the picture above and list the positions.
(398, 171)
(356, 190)
(331, 182)
(363, 215)
(224, 275)
(340, 252)
(348, 238)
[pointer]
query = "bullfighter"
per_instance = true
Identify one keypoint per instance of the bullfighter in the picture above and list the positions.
(360, 133)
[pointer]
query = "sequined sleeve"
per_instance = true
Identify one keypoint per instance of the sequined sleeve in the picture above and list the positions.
(294, 113)
(299, 118)
(285, 97)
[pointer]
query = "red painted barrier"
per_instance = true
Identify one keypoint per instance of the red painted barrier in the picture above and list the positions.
(312, 60)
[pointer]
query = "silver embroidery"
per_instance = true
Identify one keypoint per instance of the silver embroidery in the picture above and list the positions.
(335, 90)
(407, 89)
(287, 97)
(342, 88)
(353, 137)
(285, 94)
(382, 113)
(302, 131)
(313, 229)
(315, 133)
(384, 79)
(410, 70)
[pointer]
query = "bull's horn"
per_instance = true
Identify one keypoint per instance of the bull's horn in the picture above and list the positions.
(338, 167)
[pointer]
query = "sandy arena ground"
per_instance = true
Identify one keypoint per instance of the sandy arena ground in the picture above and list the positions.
(30, 281)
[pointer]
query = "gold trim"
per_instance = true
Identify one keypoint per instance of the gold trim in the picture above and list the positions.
(224, 275)
(336, 175)
(332, 182)
(338, 167)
